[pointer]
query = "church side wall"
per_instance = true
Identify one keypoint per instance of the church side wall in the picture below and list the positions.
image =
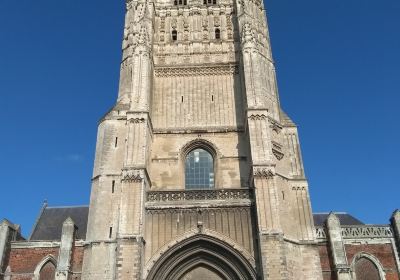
(378, 249)
(25, 257)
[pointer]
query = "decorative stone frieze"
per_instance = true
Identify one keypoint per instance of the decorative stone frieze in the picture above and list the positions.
(196, 71)
(263, 172)
(359, 232)
(132, 175)
(189, 195)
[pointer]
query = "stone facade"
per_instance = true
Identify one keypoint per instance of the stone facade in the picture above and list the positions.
(199, 74)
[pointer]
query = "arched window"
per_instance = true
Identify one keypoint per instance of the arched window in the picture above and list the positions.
(174, 35)
(46, 269)
(366, 269)
(199, 170)
(217, 33)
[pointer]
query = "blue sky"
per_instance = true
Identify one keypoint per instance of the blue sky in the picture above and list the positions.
(338, 74)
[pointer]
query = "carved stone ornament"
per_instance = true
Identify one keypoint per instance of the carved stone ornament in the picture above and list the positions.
(275, 127)
(190, 195)
(277, 150)
(196, 71)
(247, 33)
(279, 155)
(257, 117)
(261, 172)
(298, 188)
(137, 120)
(132, 176)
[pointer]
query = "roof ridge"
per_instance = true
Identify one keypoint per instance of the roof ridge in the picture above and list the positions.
(327, 213)
(73, 206)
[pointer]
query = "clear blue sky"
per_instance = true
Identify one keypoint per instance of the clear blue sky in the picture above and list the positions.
(338, 74)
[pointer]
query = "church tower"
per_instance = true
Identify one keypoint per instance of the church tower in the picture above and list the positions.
(198, 172)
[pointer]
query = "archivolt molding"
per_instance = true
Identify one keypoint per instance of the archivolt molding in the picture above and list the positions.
(370, 257)
(199, 143)
(206, 234)
(48, 258)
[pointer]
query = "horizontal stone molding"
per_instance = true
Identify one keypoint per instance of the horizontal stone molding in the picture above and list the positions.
(358, 232)
(41, 244)
(196, 195)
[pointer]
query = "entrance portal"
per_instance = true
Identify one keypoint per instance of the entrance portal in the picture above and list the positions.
(202, 257)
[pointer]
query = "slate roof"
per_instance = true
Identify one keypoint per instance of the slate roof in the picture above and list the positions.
(49, 224)
(344, 218)
(48, 227)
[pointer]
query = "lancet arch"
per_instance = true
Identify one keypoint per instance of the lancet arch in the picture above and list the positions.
(49, 264)
(202, 254)
(366, 267)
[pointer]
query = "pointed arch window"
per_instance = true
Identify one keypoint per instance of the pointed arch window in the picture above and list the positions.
(199, 170)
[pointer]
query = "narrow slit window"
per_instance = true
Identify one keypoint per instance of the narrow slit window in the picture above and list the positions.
(116, 142)
(110, 232)
(212, 97)
(182, 98)
(113, 186)
(217, 33)
(174, 35)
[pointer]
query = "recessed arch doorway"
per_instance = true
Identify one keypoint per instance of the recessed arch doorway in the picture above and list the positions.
(202, 257)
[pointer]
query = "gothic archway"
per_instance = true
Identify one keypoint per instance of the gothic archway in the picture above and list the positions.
(202, 255)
